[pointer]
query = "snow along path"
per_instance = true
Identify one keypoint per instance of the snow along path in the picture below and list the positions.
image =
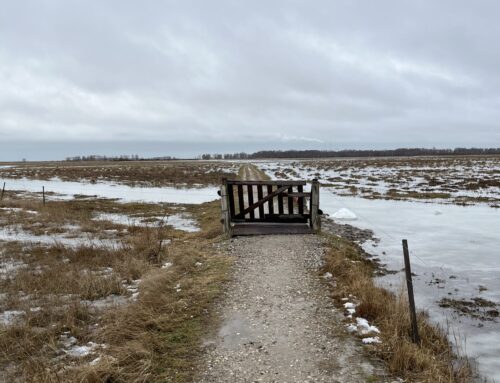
(278, 321)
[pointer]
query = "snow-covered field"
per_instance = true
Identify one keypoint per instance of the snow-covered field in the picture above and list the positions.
(447, 180)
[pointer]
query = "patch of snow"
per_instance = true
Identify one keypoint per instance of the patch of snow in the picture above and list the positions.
(352, 328)
(17, 234)
(178, 221)
(365, 328)
(11, 209)
(10, 316)
(327, 275)
(198, 264)
(95, 361)
(344, 215)
(74, 350)
(166, 265)
(9, 268)
(109, 301)
(373, 340)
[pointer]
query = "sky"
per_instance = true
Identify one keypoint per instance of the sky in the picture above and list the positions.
(186, 77)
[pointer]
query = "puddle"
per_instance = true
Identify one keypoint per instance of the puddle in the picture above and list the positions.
(235, 331)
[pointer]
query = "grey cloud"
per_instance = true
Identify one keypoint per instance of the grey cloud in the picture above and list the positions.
(397, 73)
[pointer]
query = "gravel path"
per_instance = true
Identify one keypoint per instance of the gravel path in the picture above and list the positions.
(278, 322)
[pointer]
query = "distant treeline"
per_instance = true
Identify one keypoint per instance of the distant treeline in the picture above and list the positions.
(263, 154)
(402, 152)
(134, 157)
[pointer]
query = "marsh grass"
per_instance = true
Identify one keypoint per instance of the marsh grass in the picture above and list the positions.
(87, 292)
(434, 360)
(141, 173)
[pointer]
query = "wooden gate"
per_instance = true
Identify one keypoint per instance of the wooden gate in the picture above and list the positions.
(269, 207)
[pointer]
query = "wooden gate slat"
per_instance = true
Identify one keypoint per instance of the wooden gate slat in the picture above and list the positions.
(280, 202)
(300, 189)
(270, 203)
(241, 202)
(250, 200)
(260, 195)
(230, 192)
(290, 201)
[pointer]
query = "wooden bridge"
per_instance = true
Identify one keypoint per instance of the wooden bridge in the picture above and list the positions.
(269, 207)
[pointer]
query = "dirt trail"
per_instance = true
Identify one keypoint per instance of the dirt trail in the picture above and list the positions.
(278, 321)
(252, 173)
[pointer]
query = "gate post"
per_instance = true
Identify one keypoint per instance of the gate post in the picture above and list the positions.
(226, 214)
(315, 217)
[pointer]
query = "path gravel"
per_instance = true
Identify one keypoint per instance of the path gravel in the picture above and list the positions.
(278, 322)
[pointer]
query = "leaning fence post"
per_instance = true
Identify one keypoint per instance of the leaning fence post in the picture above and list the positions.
(411, 299)
(315, 217)
(43, 195)
(226, 215)
(3, 191)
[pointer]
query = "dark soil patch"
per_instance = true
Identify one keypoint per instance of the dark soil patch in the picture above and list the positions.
(477, 308)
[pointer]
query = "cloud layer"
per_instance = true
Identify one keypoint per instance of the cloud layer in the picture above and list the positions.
(294, 72)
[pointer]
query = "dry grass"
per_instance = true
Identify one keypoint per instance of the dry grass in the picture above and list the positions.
(432, 360)
(87, 293)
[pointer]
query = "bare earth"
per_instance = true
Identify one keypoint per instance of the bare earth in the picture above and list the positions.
(278, 322)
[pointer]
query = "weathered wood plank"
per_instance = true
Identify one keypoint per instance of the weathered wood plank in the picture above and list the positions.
(260, 195)
(280, 200)
(301, 196)
(270, 203)
(241, 201)
(315, 217)
(230, 194)
(290, 201)
(250, 200)
(225, 214)
(297, 194)
(283, 183)
(277, 228)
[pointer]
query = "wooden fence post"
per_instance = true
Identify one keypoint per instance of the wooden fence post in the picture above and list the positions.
(3, 191)
(315, 217)
(226, 214)
(409, 283)
(43, 195)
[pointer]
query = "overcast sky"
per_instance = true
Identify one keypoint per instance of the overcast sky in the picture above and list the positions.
(104, 76)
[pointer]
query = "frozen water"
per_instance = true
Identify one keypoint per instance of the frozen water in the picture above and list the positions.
(124, 193)
(178, 221)
(15, 233)
(461, 242)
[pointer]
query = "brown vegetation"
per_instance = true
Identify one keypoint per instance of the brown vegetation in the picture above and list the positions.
(432, 361)
(150, 173)
(141, 321)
